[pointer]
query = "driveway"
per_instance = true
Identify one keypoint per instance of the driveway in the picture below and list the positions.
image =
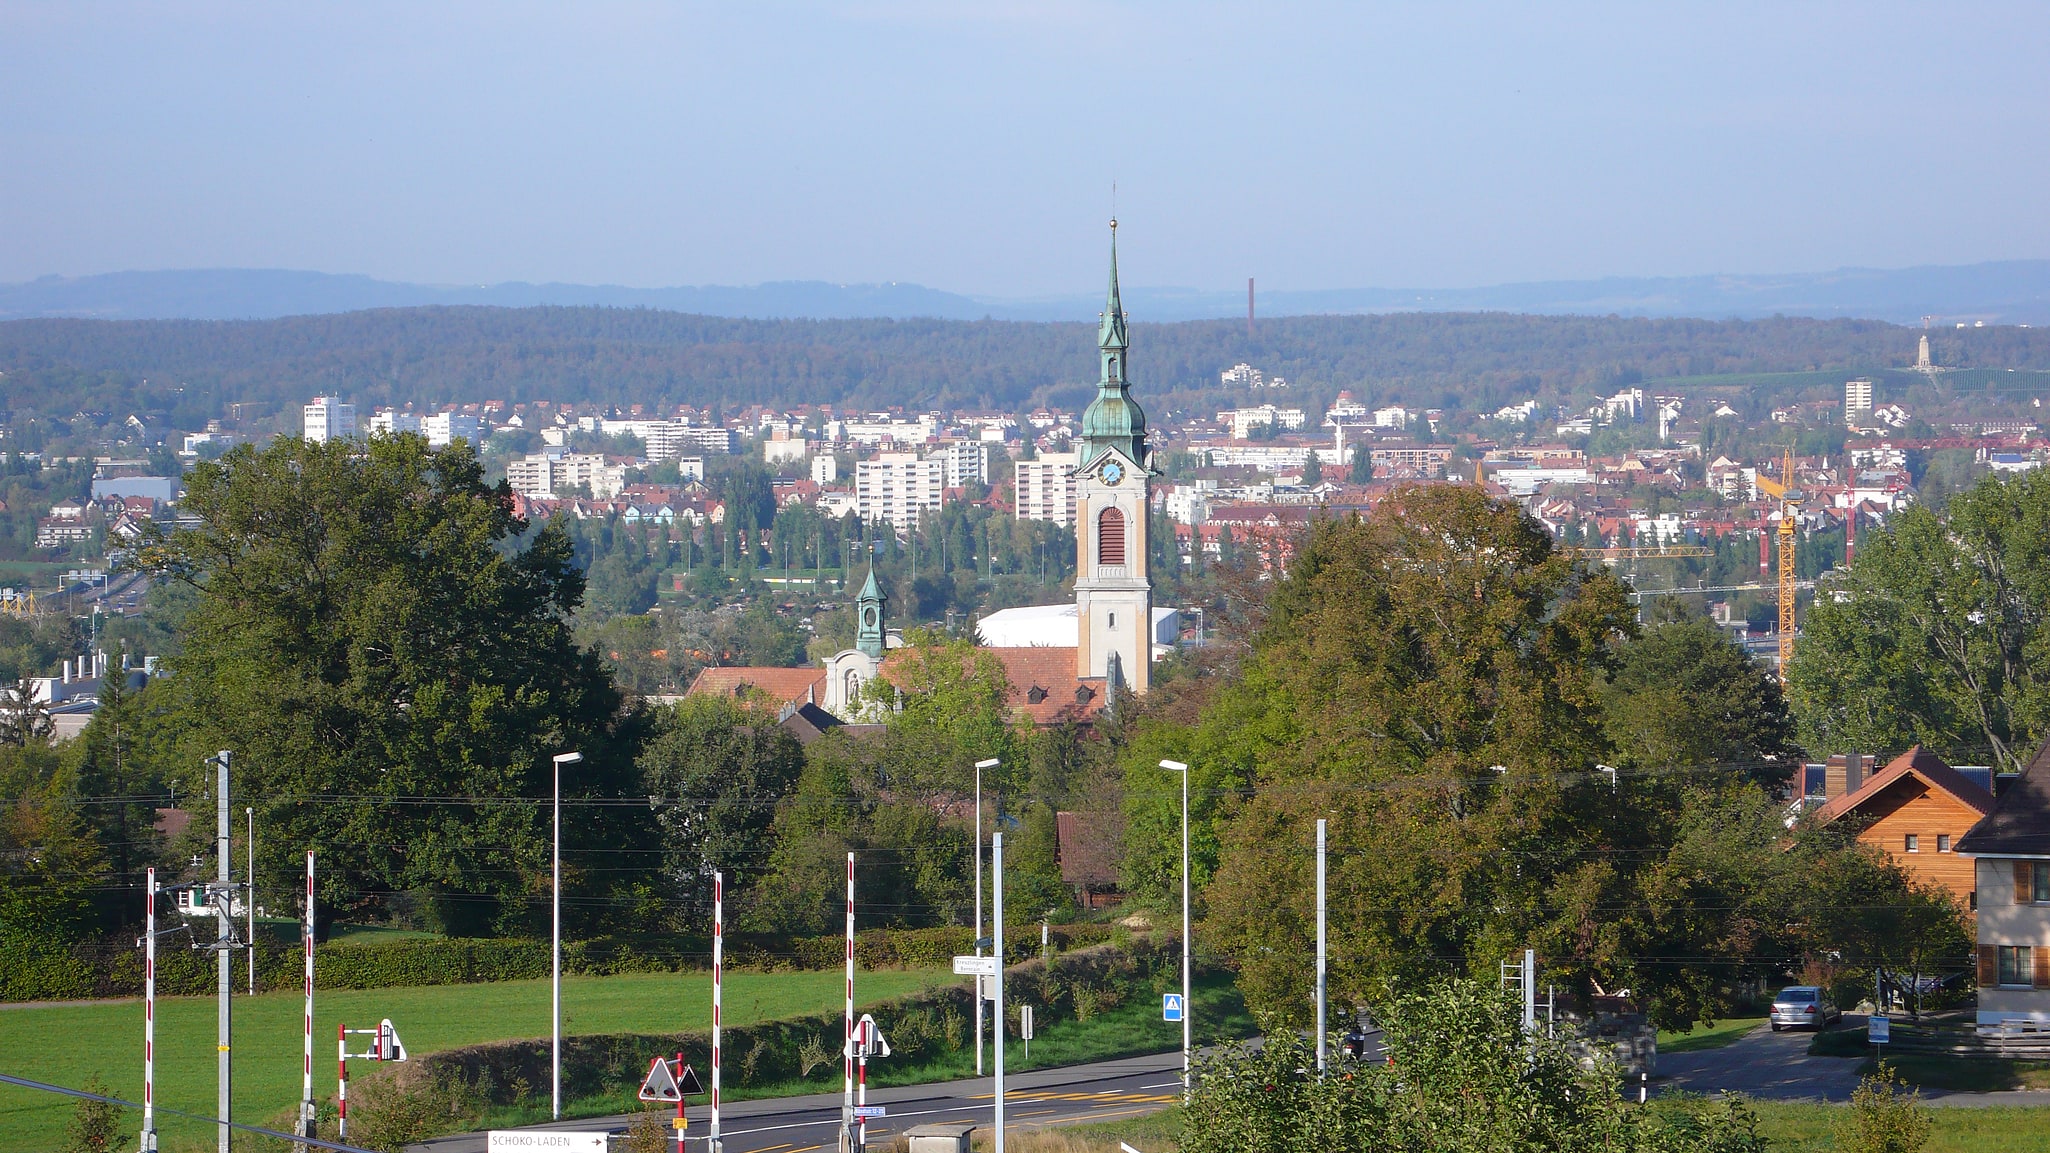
(1764, 1064)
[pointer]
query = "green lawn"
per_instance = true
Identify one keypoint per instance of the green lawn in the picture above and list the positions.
(66, 1044)
(1132, 1028)
(1790, 1128)
(1708, 1036)
(1970, 1074)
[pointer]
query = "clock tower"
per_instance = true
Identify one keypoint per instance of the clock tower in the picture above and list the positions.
(1113, 592)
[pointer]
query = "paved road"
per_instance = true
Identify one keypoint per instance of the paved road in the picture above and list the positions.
(1103, 1091)
(1763, 1064)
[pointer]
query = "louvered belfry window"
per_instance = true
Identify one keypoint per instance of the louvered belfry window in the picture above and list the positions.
(1110, 537)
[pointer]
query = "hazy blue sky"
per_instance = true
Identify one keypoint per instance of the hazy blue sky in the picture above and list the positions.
(972, 146)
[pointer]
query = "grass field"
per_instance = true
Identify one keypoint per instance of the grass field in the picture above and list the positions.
(1132, 1028)
(66, 1044)
(1790, 1129)
(1708, 1036)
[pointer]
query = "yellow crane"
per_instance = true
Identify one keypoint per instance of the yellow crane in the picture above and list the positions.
(18, 603)
(1788, 503)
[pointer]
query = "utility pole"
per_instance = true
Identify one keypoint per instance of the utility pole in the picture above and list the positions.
(306, 1111)
(250, 813)
(991, 763)
(1321, 965)
(996, 869)
(224, 945)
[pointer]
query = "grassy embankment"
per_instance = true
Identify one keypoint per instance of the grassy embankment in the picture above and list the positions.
(66, 1044)
(1708, 1036)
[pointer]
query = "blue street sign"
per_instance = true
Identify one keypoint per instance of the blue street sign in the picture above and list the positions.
(1170, 1006)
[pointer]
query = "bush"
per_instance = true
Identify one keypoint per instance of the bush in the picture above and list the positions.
(95, 1125)
(1884, 1116)
(33, 969)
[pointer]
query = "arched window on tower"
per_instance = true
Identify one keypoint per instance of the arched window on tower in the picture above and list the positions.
(1110, 537)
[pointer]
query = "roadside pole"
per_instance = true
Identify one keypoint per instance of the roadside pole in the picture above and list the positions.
(147, 1143)
(1321, 960)
(714, 1143)
(847, 1052)
(996, 889)
(341, 1083)
(224, 955)
(306, 1087)
(250, 909)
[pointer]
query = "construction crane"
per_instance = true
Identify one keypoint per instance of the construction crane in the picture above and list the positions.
(1788, 503)
(17, 602)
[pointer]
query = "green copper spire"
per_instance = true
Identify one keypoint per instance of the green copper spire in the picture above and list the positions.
(1111, 333)
(1113, 419)
(868, 618)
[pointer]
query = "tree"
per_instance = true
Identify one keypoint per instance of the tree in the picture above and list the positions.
(720, 767)
(1361, 468)
(24, 716)
(1313, 470)
(391, 660)
(1461, 1077)
(1685, 695)
(1937, 635)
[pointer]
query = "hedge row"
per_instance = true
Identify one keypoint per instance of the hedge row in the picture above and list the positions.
(35, 970)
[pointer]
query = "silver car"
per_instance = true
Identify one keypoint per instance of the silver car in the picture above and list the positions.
(1803, 1007)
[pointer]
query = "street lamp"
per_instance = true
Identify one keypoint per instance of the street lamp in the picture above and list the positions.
(555, 950)
(991, 763)
(1188, 1081)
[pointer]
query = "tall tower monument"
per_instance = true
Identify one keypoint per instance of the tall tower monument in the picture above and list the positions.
(1113, 592)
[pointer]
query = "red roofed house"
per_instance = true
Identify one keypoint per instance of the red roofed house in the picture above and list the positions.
(1916, 810)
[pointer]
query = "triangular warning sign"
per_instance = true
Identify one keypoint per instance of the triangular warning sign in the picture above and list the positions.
(868, 1038)
(660, 1084)
(666, 1082)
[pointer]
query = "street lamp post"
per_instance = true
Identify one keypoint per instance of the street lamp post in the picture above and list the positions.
(1188, 1081)
(555, 949)
(250, 812)
(991, 763)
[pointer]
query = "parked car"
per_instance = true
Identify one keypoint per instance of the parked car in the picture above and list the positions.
(1804, 1007)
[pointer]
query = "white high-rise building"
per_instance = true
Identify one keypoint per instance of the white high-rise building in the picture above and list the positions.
(1857, 399)
(444, 428)
(392, 422)
(897, 488)
(965, 461)
(553, 475)
(1046, 488)
(327, 418)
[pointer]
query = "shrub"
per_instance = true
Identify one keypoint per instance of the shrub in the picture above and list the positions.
(95, 1125)
(1885, 1117)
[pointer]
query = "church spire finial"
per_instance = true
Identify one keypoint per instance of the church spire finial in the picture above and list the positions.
(1111, 334)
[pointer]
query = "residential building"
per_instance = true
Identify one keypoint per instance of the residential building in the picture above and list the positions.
(1857, 401)
(445, 428)
(1396, 460)
(553, 474)
(328, 418)
(1046, 488)
(391, 421)
(1915, 810)
(1394, 416)
(965, 461)
(825, 468)
(2011, 847)
(898, 488)
(782, 448)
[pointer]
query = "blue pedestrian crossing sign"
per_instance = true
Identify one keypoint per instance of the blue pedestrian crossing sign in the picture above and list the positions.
(1170, 1006)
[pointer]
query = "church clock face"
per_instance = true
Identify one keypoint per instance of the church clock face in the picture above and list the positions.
(1113, 472)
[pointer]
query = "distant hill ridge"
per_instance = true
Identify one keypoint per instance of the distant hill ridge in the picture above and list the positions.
(187, 371)
(2004, 292)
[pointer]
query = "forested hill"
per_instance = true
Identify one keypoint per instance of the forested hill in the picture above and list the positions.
(187, 371)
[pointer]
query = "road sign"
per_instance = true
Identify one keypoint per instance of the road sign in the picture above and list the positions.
(868, 1038)
(1170, 1006)
(552, 1141)
(869, 1111)
(667, 1082)
(1878, 1030)
(1025, 1022)
(389, 1047)
(975, 966)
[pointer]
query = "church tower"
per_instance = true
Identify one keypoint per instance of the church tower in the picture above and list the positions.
(1113, 592)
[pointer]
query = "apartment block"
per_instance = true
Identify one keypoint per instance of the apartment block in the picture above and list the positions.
(1046, 488)
(328, 418)
(897, 488)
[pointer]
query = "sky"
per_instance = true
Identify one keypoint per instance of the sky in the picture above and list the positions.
(974, 146)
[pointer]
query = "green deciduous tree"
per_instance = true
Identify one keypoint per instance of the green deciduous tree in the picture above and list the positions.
(394, 671)
(1937, 635)
(720, 767)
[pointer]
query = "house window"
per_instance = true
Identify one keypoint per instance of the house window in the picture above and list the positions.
(1913, 843)
(1943, 842)
(2017, 965)
(2039, 878)
(1110, 537)
(1113, 620)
